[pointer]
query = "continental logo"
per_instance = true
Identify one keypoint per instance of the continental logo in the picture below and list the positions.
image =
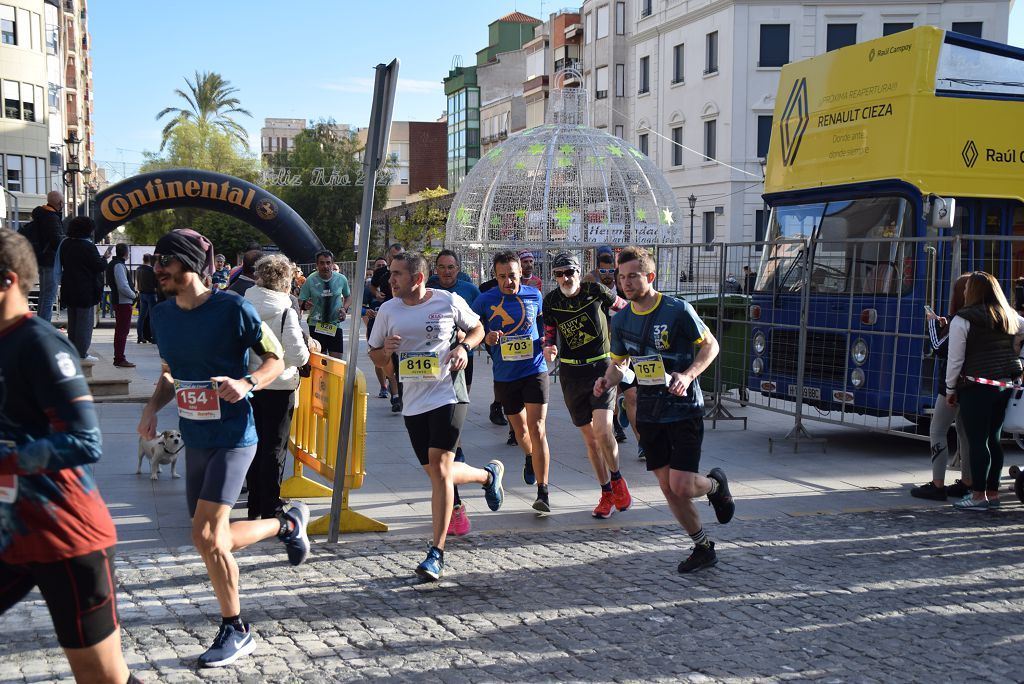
(266, 209)
(889, 51)
(118, 207)
(794, 121)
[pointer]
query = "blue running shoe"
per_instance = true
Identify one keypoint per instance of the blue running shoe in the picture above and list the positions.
(432, 567)
(229, 646)
(623, 413)
(529, 477)
(493, 492)
(296, 542)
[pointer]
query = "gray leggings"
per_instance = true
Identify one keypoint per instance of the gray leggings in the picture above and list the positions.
(945, 416)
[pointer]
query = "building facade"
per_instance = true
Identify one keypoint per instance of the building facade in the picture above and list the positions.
(279, 134)
(416, 158)
(607, 28)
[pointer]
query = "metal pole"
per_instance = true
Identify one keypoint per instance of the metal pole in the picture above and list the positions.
(376, 145)
(689, 274)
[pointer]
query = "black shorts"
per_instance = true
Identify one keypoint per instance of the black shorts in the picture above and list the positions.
(330, 343)
(514, 395)
(676, 445)
(578, 390)
(80, 593)
(439, 428)
(469, 371)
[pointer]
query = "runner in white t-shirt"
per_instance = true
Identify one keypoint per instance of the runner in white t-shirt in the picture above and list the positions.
(416, 332)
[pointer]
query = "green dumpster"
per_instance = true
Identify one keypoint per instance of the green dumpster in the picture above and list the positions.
(734, 342)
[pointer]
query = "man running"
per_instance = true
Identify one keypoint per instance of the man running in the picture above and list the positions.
(509, 312)
(210, 383)
(659, 334)
(380, 286)
(371, 302)
(417, 331)
(576, 317)
(55, 531)
(604, 273)
(326, 295)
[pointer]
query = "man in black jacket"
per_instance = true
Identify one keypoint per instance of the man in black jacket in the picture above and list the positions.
(145, 281)
(45, 235)
(81, 283)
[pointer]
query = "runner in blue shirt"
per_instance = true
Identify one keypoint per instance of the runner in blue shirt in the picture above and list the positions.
(659, 334)
(509, 313)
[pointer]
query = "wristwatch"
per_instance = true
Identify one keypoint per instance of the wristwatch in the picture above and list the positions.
(251, 380)
(466, 347)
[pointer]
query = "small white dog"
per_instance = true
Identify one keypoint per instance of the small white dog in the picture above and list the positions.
(161, 451)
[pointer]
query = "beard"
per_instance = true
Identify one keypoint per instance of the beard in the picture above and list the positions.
(567, 290)
(174, 284)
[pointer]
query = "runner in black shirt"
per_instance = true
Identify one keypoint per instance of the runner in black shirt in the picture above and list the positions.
(576, 317)
(380, 287)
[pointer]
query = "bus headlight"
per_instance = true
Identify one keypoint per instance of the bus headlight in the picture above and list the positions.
(759, 343)
(757, 366)
(859, 352)
(857, 378)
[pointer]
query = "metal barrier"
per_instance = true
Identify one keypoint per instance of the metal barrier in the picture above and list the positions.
(314, 442)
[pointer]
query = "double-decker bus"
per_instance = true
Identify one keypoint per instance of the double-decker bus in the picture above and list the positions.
(895, 165)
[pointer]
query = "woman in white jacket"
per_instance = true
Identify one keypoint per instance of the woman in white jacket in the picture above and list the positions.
(273, 405)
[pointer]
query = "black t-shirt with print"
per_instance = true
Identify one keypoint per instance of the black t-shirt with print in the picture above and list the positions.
(581, 321)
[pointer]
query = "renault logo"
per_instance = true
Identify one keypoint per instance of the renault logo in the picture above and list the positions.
(794, 122)
(970, 154)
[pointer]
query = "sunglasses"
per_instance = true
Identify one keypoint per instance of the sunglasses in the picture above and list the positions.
(568, 273)
(164, 259)
(606, 271)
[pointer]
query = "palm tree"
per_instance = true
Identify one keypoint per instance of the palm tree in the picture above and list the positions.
(211, 103)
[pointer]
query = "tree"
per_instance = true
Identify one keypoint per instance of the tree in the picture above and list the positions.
(211, 102)
(425, 224)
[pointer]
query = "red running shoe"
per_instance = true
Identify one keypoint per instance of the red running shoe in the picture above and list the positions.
(606, 507)
(620, 495)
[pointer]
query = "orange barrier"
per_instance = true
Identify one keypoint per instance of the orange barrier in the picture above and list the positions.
(316, 427)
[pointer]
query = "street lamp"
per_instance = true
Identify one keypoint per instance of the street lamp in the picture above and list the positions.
(692, 199)
(72, 168)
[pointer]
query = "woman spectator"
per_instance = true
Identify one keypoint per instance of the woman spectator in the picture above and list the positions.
(945, 415)
(983, 361)
(81, 281)
(273, 406)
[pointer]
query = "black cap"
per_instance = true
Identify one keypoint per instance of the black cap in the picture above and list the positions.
(565, 260)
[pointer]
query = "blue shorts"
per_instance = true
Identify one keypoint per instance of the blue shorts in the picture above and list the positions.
(216, 475)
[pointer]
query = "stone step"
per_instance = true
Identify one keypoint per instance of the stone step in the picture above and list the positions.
(108, 387)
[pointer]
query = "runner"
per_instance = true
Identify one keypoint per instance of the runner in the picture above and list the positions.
(55, 531)
(326, 295)
(526, 262)
(417, 332)
(510, 312)
(371, 302)
(576, 316)
(604, 273)
(211, 384)
(380, 286)
(659, 334)
(221, 271)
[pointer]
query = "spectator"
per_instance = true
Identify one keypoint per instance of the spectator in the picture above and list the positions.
(145, 281)
(45, 233)
(81, 283)
(526, 261)
(731, 285)
(219, 278)
(247, 277)
(604, 273)
(121, 297)
(749, 278)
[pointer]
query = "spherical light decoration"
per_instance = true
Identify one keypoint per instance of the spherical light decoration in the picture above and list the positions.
(562, 186)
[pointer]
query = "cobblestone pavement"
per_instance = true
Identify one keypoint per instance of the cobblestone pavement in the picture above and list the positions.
(930, 595)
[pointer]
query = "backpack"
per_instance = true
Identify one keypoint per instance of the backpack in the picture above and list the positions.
(29, 231)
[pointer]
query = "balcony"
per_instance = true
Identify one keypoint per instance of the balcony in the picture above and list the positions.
(535, 84)
(573, 31)
(601, 95)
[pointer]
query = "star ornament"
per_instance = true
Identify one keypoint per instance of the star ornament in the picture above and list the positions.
(567, 149)
(563, 216)
(537, 149)
(615, 150)
(666, 217)
(641, 215)
(462, 215)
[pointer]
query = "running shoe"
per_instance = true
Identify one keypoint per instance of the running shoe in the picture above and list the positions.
(929, 491)
(528, 475)
(701, 557)
(493, 491)
(459, 525)
(296, 542)
(620, 495)
(957, 490)
(383, 394)
(640, 454)
(497, 417)
(511, 441)
(396, 404)
(541, 505)
(620, 434)
(623, 414)
(969, 504)
(432, 567)
(606, 506)
(229, 646)
(722, 499)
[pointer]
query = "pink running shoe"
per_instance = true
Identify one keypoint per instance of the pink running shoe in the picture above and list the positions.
(459, 525)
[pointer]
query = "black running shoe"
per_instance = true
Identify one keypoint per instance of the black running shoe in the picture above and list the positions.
(528, 475)
(396, 404)
(957, 490)
(701, 557)
(929, 491)
(542, 505)
(722, 499)
(640, 454)
(512, 441)
(497, 417)
(620, 434)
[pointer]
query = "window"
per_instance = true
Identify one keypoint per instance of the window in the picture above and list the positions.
(535, 64)
(21, 27)
(601, 83)
(14, 173)
(28, 176)
(890, 28)
(677, 146)
(28, 102)
(709, 140)
(711, 54)
(971, 28)
(645, 8)
(709, 230)
(472, 136)
(620, 80)
(840, 35)
(764, 135)
(602, 21)
(12, 100)
(759, 229)
(774, 45)
(36, 32)
(8, 32)
(641, 142)
(619, 132)
(677, 63)
(620, 18)
(588, 28)
(645, 75)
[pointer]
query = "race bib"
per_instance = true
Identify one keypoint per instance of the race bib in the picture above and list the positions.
(419, 366)
(328, 329)
(516, 348)
(650, 370)
(197, 399)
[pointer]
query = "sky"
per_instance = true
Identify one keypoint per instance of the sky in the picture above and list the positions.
(306, 59)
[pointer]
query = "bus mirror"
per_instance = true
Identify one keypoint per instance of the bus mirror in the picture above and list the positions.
(942, 212)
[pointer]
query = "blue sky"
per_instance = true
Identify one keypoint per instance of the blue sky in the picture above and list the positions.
(302, 59)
